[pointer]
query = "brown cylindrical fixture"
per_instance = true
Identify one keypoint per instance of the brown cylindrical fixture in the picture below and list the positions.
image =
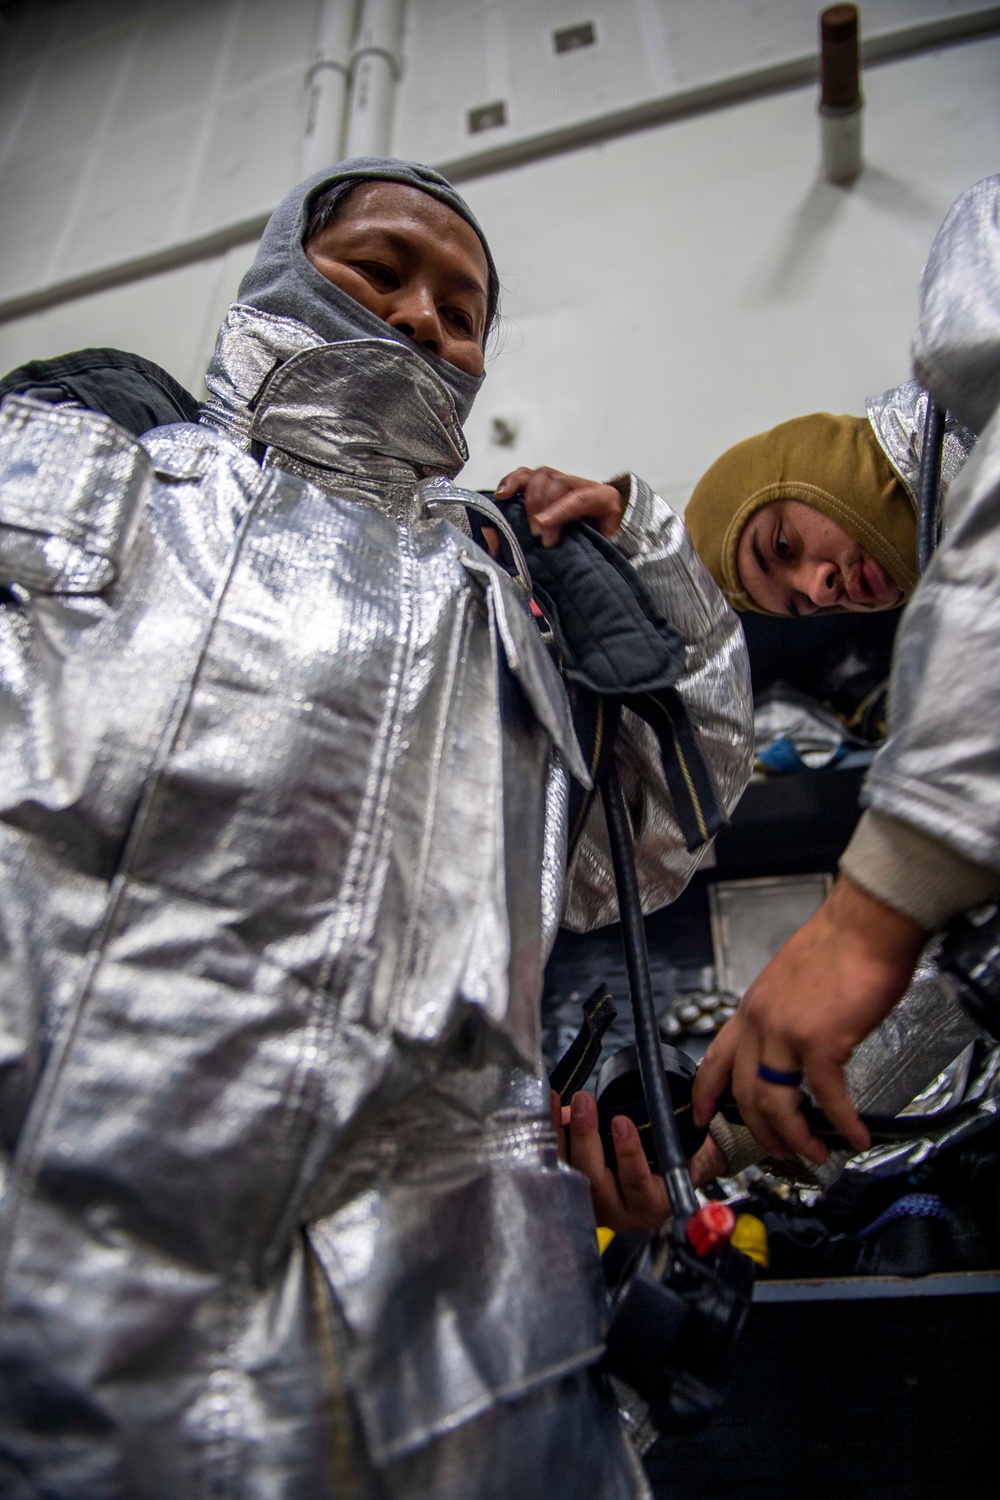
(839, 68)
(840, 103)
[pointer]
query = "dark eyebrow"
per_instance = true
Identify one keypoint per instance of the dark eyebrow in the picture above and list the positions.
(458, 279)
(468, 284)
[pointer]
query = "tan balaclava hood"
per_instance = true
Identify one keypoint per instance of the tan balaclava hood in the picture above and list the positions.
(834, 464)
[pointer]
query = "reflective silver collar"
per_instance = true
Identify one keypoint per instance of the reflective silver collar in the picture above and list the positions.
(897, 419)
(366, 408)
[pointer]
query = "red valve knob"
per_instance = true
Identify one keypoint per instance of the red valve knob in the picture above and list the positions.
(710, 1228)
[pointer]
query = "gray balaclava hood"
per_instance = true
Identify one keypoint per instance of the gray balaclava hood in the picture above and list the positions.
(283, 281)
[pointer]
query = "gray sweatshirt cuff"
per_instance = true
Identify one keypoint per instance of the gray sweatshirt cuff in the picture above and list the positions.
(915, 874)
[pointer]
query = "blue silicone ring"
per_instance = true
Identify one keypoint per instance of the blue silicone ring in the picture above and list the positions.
(774, 1075)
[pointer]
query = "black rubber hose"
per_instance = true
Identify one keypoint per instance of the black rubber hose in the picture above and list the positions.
(930, 484)
(666, 1140)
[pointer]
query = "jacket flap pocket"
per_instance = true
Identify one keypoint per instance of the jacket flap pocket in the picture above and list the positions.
(458, 1294)
(529, 660)
(71, 483)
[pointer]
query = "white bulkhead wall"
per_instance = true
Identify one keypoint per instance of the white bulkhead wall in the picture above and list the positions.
(666, 291)
(135, 125)
(327, 85)
(673, 291)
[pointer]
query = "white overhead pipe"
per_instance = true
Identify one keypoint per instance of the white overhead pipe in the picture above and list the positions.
(327, 80)
(376, 65)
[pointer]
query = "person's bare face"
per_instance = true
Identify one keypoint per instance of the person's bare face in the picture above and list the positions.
(414, 263)
(793, 560)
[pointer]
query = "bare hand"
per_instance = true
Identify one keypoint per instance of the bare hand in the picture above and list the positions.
(634, 1199)
(552, 498)
(828, 987)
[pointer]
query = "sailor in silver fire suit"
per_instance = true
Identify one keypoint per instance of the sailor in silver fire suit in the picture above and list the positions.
(283, 776)
(928, 845)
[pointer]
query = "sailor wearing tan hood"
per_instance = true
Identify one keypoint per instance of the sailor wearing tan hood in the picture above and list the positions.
(819, 513)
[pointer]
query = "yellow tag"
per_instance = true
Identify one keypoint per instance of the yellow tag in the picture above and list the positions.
(750, 1236)
(604, 1238)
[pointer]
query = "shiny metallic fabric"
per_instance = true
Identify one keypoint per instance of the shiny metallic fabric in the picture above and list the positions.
(249, 347)
(940, 769)
(69, 502)
(956, 344)
(919, 1039)
(897, 418)
(920, 1061)
(283, 792)
(972, 1097)
(917, 1061)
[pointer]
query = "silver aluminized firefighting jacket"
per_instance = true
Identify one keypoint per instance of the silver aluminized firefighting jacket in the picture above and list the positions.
(282, 821)
(940, 769)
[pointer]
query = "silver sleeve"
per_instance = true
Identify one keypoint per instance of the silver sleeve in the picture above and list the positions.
(715, 687)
